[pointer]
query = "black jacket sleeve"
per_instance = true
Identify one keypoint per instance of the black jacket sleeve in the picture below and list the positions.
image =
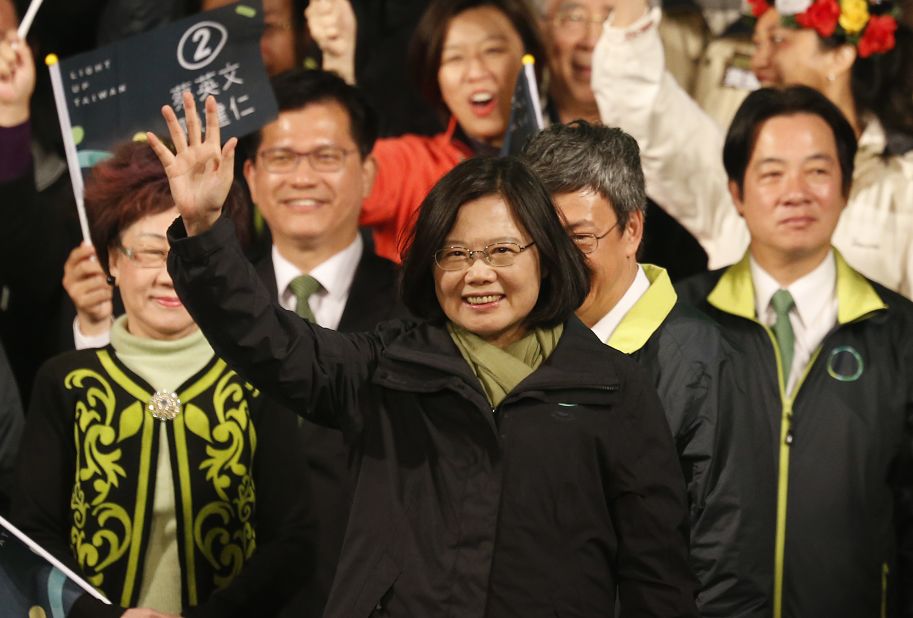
(646, 497)
(315, 372)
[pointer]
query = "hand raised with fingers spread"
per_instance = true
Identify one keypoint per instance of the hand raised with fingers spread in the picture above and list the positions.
(200, 172)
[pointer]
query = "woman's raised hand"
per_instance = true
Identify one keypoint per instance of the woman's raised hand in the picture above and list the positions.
(200, 172)
(333, 27)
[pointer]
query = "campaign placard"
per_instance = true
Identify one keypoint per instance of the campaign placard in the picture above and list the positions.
(115, 93)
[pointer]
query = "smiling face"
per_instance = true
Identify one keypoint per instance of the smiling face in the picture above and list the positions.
(792, 196)
(306, 208)
(480, 61)
(152, 306)
(490, 301)
(572, 28)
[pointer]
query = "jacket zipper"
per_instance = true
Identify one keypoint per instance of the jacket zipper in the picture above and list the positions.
(787, 438)
(885, 572)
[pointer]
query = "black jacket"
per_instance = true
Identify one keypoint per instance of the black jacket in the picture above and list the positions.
(372, 299)
(828, 521)
(537, 508)
(89, 500)
(690, 364)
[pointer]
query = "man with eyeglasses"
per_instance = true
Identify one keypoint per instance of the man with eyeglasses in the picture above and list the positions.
(308, 172)
(572, 28)
(595, 178)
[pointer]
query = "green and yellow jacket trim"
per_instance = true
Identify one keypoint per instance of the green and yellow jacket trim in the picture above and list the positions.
(212, 444)
(734, 294)
(647, 314)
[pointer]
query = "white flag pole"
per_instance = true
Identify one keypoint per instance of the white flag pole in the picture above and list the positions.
(529, 68)
(69, 145)
(26, 24)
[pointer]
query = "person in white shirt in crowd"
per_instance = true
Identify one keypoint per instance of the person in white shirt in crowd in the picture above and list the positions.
(594, 175)
(824, 435)
(864, 68)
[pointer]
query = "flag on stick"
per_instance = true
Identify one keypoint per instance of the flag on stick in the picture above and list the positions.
(32, 579)
(26, 24)
(525, 110)
(115, 93)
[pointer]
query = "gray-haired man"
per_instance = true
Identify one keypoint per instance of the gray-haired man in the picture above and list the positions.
(595, 178)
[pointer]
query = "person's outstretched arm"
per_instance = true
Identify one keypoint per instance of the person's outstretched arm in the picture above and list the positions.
(311, 370)
(681, 146)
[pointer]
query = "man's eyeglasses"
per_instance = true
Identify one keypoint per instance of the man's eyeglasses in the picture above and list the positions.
(587, 242)
(577, 20)
(285, 160)
(496, 254)
(145, 257)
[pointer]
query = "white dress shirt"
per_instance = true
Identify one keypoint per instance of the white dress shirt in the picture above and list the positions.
(813, 315)
(610, 321)
(335, 277)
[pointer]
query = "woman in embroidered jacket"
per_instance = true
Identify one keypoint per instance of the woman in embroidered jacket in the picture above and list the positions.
(507, 462)
(149, 466)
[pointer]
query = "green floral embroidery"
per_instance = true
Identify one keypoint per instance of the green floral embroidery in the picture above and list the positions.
(97, 473)
(223, 530)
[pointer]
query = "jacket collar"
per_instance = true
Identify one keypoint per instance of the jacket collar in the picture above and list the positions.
(425, 358)
(647, 314)
(856, 298)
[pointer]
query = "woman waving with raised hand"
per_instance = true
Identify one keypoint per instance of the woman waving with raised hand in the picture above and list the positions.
(148, 465)
(508, 463)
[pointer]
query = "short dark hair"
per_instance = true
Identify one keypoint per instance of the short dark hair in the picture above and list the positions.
(132, 184)
(428, 40)
(298, 88)
(584, 156)
(565, 275)
(766, 103)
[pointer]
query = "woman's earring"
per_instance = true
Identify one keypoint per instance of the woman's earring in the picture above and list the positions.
(111, 280)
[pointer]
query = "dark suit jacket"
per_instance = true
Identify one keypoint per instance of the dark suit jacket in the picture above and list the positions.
(373, 298)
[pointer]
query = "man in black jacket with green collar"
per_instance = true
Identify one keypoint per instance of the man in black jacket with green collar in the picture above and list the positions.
(827, 359)
(595, 178)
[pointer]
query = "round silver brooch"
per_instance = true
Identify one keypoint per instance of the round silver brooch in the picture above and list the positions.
(164, 405)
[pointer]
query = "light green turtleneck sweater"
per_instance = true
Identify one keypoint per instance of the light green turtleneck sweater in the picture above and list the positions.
(165, 365)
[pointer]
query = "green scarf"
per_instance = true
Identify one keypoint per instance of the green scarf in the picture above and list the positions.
(500, 370)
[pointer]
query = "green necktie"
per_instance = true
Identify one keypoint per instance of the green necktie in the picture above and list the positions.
(302, 287)
(782, 302)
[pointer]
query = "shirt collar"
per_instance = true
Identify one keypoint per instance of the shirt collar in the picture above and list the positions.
(610, 321)
(334, 274)
(810, 292)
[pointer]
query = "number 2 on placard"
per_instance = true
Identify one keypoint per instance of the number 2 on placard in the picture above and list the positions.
(201, 38)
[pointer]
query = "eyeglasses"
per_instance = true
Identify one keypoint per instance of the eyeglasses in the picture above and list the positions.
(577, 20)
(587, 242)
(323, 159)
(145, 257)
(496, 254)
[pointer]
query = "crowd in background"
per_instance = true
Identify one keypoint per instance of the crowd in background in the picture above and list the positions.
(194, 416)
